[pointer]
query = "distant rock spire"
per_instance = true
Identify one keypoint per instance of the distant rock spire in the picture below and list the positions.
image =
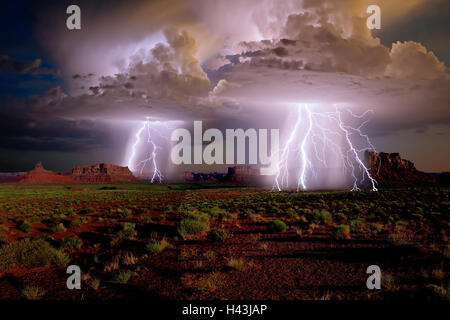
(39, 165)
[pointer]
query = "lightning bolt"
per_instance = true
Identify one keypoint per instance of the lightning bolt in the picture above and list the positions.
(151, 160)
(282, 174)
(305, 161)
(356, 152)
(322, 139)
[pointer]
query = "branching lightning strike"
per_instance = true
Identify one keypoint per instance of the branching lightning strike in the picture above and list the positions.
(316, 135)
(149, 127)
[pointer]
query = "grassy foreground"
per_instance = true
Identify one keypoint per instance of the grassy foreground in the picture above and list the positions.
(194, 241)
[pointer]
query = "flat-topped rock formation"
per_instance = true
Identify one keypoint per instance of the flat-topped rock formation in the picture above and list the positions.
(102, 172)
(41, 176)
(203, 177)
(237, 174)
(243, 174)
(391, 168)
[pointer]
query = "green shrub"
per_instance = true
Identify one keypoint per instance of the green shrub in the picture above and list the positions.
(33, 293)
(35, 219)
(388, 281)
(156, 247)
(321, 216)
(25, 227)
(216, 212)
(58, 228)
(340, 217)
(44, 237)
(291, 213)
(123, 212)
(71, 243)
(376, 227)
(439, 291)
(59, 258)
(127, 232)
(277, 226)
(218, 235)
(30, 253)
(340, 232)
(78, 221)
(129, 227)
(304, 211)
(122, 277)
(94, 283)
(68, 211)
(356, 225)
(236, 264)
(191, 226)
(248, 213)
(168, 209)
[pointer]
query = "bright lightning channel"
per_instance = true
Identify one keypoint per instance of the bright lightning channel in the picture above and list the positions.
(326, 136)
(151, 160)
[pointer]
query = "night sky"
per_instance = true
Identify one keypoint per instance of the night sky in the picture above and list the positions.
(75, 97)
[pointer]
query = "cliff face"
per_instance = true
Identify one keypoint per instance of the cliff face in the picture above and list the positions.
(390, 167)
(243, 174)
(238, 174)
(202, 177)
(41, 176)
(102, 172)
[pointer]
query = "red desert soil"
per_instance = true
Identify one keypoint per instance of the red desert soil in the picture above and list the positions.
(282, 265)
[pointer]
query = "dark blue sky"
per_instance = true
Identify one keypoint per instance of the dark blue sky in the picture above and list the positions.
(18, 41)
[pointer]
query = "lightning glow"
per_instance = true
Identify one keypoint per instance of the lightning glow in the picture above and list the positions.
(151, 160)
(317, 134)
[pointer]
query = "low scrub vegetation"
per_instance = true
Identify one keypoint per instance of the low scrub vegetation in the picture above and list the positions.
(30, 253)
(277, 226)
(71, 243)
(127, 232)
(340, 232)
(218, 235)
(33, 293)
(122, 277)
(197, 224)
(236, 264)
(157, 247)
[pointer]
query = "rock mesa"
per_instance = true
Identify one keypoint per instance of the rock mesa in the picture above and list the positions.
(41, 176)
(102, 172)
(389, 168)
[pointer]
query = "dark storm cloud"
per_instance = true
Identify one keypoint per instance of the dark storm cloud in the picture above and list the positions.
(25, 129)
(324, 36)
(201, 59)
(11, 65)
(25, 67)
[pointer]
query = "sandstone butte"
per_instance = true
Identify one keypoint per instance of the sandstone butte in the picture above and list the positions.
(98, 173)
(41, 176)
(102, 172)
(391, 168)
(384, 167)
